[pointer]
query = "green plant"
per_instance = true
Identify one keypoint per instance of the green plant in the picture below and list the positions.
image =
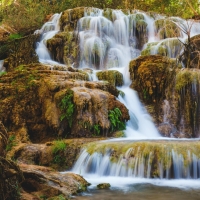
(11, 142)
(96, 129)
(67, 107)
(115, 119)
(14, 36)
(58, 149)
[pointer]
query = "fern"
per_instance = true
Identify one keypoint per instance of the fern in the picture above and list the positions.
(115, 119)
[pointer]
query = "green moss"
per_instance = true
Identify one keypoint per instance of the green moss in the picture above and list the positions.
(114, 77)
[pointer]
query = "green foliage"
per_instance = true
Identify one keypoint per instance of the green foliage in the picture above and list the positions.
(11, 142)
(14, 36)
(96, 129)
(58, 146)
(115, 119)
(58, 149)
(67, 107)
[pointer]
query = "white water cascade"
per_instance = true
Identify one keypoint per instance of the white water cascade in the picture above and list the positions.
(48, 30)
(107, 44)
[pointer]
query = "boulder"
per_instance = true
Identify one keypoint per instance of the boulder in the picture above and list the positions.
(43, 182)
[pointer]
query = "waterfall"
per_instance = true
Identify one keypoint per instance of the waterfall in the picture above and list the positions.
(48, 30)
(140, 160)
(110, 44)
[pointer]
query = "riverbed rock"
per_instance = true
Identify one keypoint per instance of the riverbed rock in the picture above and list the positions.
(43, 182)
(103, 186)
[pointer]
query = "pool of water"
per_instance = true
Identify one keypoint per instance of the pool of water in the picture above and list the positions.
(128, 188)
(142, 191)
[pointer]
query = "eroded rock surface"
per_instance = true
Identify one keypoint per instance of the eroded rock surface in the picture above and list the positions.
(48, 102)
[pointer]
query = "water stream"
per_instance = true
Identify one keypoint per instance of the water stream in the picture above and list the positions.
(111, 44)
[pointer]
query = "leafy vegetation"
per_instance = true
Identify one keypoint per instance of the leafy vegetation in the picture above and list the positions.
(115, 119)
(67, 107)
(11, 142)
(58, 149)
(14, 36)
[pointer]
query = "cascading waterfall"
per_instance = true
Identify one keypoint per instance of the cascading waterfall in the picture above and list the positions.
(48, 30)
(140, 162)
(107, 44)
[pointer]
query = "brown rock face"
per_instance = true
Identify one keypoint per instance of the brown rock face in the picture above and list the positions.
(50, 103)
(10, 174)
(171, 94)
(19, 51)
(45, 182)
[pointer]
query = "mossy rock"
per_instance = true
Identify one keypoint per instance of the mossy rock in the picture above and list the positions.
(151, 75)
(103, 186)
(70, 17)
(114, 77)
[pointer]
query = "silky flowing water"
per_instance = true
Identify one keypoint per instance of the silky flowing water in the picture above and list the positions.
(107, 44)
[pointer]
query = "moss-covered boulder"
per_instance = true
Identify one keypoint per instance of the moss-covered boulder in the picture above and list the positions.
(114, 77)
(150, 76)
(64, 48)
(69, 18)
(103, 186)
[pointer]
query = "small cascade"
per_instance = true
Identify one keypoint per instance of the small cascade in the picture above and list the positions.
(164, 160)
(48, 30)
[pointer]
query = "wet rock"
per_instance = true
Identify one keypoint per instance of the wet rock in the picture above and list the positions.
(103, 186)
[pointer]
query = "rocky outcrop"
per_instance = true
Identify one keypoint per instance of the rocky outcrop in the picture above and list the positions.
(10, 174)
(58, 154)
(18, 51)
(170, 94)
(43, 182)
(48, 102)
